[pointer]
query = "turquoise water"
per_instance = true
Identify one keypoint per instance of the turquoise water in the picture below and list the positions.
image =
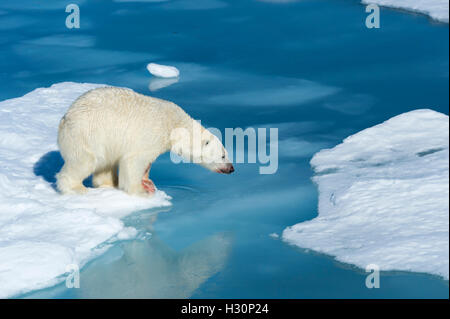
(243, 63)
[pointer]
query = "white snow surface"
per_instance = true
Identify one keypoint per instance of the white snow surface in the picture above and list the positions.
(436, 9)
(163, 71)
(383, 197)
(41, 231)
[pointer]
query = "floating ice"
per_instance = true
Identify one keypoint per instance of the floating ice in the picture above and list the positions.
(437, 9)
(42, 232)
(383, 197)
(163, 71)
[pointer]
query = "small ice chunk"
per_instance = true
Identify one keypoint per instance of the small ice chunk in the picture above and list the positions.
(163, 71)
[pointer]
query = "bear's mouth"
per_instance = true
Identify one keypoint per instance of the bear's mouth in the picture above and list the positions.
(228, 170)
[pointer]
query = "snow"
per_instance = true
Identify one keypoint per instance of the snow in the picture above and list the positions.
(42, 232)
(163, 71)
(383, 197)
(437, 9)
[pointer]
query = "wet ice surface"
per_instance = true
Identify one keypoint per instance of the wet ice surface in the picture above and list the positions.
(383, 197)
(436, 9)
(320, 80)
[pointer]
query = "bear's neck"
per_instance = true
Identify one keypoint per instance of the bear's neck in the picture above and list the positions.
(180, 120)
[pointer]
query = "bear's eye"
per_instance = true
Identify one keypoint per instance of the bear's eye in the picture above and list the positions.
(223, 156)
(206, 143)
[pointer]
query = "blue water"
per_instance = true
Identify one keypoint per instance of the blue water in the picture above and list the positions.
(243, 63)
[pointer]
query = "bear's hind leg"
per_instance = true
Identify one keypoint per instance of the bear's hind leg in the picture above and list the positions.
(70, 178)
(106, 177)
(131, 170)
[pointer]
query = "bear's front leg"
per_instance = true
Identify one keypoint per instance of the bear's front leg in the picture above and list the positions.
(147, 182)
(131, 172)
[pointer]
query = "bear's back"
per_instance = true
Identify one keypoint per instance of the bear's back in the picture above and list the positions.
(107, 99)
(112, 118)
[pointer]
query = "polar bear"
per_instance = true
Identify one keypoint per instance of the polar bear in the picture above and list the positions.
(116, 134)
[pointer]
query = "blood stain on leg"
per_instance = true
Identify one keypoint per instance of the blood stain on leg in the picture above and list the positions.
(147, 183)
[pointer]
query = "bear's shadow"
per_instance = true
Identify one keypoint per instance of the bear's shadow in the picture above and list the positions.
(49, 165)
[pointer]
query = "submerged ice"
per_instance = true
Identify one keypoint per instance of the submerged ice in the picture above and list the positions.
(42, 232)
(383, 197)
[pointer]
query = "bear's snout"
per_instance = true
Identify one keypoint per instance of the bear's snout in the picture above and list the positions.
(227, 170)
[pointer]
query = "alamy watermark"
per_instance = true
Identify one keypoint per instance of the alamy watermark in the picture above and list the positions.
(373, 19)
(73, 19)
(197, 145)
(373, 279)
(73, 277)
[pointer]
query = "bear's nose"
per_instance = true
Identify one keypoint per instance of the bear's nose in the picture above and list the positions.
(231, 169)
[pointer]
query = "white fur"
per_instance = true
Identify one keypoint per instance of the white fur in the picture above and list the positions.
(115, 129)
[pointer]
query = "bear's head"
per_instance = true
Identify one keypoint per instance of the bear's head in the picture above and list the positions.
(200, 146)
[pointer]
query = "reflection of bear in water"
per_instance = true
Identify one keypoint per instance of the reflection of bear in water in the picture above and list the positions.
(152, 269)
(110, 129)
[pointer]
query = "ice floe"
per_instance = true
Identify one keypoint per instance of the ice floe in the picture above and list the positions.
(42, 232)
(383, 197)
(437, 9)
(163, 71)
